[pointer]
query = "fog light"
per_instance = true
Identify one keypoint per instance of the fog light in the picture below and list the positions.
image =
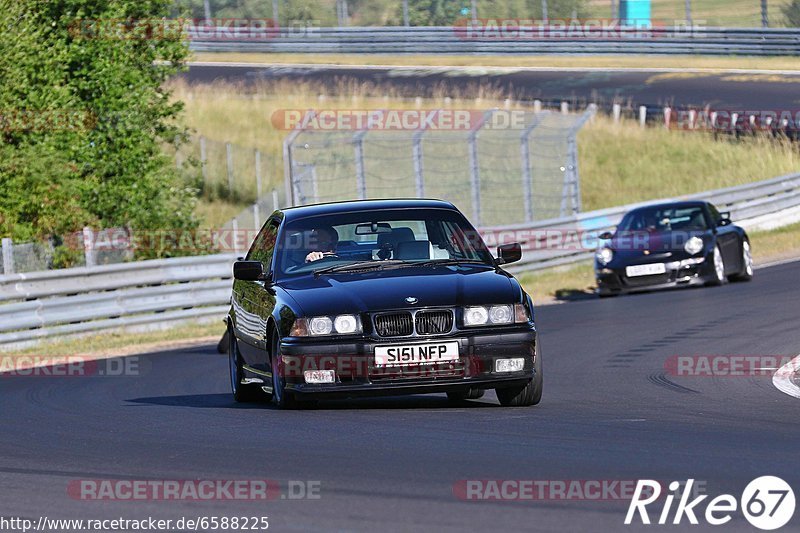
(509, 365)
(319, 376)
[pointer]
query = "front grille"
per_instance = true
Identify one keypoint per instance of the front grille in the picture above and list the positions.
(433, 322)
(394, 324)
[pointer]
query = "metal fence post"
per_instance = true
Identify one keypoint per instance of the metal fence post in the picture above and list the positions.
(275, 202)
(235, 229)
(474, 170)
(258, 173)
(8, 256)
(527, 177)
(361, 178)
(229, 158)
(256, 216)
(416, 150)
(88, 246)
(572, 189)
(288, 161)
(203, 160)
(642, 116)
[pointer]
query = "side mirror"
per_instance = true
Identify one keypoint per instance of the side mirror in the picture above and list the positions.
(606, 236)
(724, 219)
(509, 253)
(248, 271)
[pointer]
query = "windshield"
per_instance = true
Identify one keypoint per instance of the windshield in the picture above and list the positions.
(377, 238)
(665, 219)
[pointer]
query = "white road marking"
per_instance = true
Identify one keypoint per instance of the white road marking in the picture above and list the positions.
(783, 379)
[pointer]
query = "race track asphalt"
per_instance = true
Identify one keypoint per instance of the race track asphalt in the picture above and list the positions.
(611, 411)
(735, 92)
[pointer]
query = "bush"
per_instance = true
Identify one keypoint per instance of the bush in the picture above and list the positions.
(86, 118)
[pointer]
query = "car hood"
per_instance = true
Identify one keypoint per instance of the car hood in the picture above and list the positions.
(382, 290)
(653, 245)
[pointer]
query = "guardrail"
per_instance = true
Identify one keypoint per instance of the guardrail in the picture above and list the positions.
(49, 304)
(458, 40)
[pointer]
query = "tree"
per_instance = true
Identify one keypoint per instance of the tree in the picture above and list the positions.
(83, 84)
(792, 13)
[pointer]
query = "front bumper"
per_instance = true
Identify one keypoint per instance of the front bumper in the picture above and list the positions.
(356, 373)
(613, 280)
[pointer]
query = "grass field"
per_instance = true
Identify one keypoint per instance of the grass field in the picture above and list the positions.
(588, 61)
(733, 13)
(664, 163)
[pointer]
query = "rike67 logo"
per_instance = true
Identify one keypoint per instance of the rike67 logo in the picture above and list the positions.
(767, 503)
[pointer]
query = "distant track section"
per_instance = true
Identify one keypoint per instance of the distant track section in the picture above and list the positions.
(505, 40)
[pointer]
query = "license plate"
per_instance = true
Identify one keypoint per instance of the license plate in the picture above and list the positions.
(646, 270)
(415, 354)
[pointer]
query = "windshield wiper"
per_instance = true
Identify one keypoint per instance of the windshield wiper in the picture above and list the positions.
(444, 262)
(354, 267)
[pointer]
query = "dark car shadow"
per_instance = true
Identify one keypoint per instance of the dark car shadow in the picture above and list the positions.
(201, 401)
(224, 401)
(574, 295)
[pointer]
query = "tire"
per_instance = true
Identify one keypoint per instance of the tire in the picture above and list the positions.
(283, 398)
(718, 263)
(469, 394)
(747, 264)
(241, 393)
(530, 393)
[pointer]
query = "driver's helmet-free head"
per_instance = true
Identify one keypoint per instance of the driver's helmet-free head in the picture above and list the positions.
(324, 239)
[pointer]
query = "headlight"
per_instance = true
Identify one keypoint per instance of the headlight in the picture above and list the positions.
(500, 314)
(604, 255)
(475, 316)
(320, 325)
(326, 325)
(480, 315)
(693, 245)
(345, 324)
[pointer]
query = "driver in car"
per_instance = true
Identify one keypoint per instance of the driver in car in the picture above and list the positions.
(323, 241)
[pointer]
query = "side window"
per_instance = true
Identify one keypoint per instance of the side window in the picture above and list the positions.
(264, 245)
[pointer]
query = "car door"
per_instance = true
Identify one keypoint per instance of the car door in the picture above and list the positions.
(253, 301)
(727, 240)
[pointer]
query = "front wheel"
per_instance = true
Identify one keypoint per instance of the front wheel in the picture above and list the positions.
(528, 394)
(283, 398)
(242, 392)
(747, 264)
(718, 275)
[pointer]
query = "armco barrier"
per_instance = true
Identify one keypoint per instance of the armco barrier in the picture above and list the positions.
(48, 304)
(455, 40)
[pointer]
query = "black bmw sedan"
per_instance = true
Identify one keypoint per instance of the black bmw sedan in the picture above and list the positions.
(671, 245)
(379, 297)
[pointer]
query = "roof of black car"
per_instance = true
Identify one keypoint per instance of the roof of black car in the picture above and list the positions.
(678, 203)
(363, 205)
